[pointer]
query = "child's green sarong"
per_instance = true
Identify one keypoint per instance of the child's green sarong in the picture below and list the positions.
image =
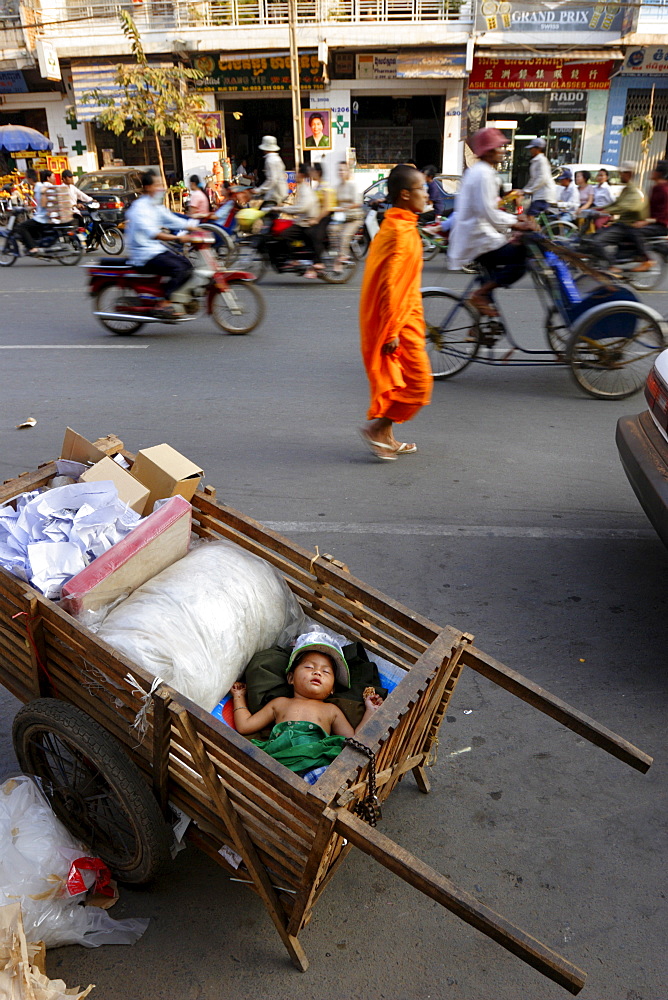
(301, 746)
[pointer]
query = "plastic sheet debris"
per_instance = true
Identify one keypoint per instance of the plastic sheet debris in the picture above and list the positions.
(28, 422)
(52, 536)
(36, 857)
(20, 977)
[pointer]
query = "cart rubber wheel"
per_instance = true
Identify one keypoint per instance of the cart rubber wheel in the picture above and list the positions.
(93, 787)
(611, 366)
(452, 333)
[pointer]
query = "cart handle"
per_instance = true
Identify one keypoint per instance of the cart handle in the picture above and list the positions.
(557, 709)
(438, 887)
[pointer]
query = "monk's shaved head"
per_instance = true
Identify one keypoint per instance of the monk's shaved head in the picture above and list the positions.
(403, 177)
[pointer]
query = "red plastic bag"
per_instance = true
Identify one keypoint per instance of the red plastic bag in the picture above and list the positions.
(75, 882)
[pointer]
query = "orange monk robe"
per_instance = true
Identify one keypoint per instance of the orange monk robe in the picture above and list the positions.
(391, 306)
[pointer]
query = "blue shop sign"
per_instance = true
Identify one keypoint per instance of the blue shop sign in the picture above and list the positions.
(12, 81)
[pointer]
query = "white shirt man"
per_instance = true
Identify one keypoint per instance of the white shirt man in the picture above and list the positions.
(75, 194)
(481, 226)
(275, 187)
(540, 185)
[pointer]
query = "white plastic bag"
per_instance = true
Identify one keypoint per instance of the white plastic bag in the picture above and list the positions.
(36, 853)
(198, 623)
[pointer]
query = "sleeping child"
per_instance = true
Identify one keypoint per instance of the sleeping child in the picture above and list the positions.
(308, 731)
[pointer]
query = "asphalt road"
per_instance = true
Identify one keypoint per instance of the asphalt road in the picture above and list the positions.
(515, 522)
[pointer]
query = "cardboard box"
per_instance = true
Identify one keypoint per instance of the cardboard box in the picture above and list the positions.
(156, 543)
(131, 492)
(77, 448)
(166, 473)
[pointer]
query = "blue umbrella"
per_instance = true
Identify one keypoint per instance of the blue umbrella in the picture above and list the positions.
(15, 138)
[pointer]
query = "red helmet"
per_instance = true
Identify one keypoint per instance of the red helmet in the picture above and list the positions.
(487, 139)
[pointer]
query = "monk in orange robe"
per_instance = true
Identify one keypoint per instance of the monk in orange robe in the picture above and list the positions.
(392, 320)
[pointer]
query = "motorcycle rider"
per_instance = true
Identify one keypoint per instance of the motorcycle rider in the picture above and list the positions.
(146, 231)
(540, 185)
(306, 212)
(657, 224)
(629, 207)
(35, 229)
(76, 196)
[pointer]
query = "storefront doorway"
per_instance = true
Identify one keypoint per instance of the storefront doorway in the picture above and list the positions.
(389, 130)
(537, 113)
(247, 119)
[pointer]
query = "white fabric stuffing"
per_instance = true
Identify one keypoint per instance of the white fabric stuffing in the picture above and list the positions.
(198, 623)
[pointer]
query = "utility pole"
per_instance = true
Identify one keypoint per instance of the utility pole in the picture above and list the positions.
(294, 83)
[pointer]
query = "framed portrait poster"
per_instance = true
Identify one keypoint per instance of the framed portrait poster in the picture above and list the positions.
(316, 130)
(213, 132)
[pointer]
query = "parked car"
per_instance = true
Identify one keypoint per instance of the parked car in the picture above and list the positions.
(642, 442)
(614, 180)
(114, 187)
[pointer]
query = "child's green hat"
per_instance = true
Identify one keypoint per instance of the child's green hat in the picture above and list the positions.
(322, 643)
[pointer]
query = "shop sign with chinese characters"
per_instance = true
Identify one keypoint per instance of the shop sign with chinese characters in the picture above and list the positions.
(492, 15)
(539, 74)
(270, 71)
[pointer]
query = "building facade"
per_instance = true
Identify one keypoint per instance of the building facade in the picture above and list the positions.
(390, 80)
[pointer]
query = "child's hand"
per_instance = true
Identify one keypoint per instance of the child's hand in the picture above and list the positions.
(238, 688)
(373, 702)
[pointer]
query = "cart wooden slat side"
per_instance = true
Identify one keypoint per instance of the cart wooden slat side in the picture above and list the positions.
(289, 837)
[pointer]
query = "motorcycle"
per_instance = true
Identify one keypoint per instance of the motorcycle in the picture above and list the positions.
(126, 299)
(60, 242)
(258, 251)
(99, 233)
(374, 213)
(622, 268)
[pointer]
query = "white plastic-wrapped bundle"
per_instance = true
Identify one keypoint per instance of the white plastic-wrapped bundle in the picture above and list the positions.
(198, 623)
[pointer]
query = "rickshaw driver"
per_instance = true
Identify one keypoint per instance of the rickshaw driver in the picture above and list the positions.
(482, 230)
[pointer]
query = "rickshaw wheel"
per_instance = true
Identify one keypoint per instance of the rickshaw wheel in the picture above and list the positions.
(556, 331)
(93, 788)
(452, 333)
(611, 366)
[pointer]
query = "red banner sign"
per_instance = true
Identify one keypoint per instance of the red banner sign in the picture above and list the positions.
(539, 74)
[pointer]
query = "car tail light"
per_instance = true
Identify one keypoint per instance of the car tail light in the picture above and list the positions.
(656, 394)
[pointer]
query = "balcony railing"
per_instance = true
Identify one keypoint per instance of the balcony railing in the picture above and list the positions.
(159, 15)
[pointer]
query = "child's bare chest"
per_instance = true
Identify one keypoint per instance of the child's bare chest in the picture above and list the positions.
(305, 711)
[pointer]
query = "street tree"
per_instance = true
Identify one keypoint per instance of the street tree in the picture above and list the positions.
(153, 98)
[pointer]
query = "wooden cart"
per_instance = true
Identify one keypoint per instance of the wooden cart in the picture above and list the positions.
(262, 823)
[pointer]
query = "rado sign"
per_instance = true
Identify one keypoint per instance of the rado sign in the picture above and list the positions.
(568, 101)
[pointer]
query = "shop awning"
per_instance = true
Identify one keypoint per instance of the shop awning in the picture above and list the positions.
(555, 52)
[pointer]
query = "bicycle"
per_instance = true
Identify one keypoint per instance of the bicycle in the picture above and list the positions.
(607, 338)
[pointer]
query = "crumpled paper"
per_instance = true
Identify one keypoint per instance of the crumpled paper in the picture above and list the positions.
(51, 536)
(19, 980)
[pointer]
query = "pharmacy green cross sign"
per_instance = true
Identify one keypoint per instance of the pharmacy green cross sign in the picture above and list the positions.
(78, 147)
(340, 125)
